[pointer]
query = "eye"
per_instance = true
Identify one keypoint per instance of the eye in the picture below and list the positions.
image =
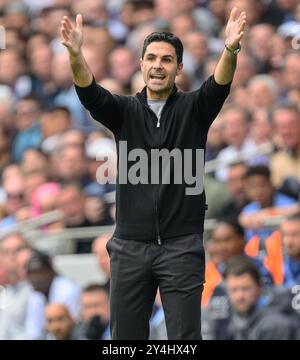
(168, 60)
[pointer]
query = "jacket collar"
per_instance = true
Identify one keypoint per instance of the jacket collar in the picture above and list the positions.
(142, 96)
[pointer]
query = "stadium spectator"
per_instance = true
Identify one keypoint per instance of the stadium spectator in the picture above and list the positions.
(59, 323)
(261, 195)
(252, 314)
(49, 287)
(94, 321)
(17, 289)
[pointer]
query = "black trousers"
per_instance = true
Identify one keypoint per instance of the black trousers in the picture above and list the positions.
(138, 268)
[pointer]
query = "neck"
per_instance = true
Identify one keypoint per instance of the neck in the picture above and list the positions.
(152, 95)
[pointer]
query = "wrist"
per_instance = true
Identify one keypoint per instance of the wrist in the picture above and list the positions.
(233, 49)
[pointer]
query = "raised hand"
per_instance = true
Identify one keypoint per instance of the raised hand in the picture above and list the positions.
(72, 37)
(235, 28)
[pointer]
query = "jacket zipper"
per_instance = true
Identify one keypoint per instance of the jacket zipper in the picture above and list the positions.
(158, 237)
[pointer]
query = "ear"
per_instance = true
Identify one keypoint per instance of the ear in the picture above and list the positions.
(141, 63)
(179, 69)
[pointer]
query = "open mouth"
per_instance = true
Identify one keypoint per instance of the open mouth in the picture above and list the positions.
(157, 77)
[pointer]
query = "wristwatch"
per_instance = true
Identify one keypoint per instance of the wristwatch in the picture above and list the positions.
(233, 51)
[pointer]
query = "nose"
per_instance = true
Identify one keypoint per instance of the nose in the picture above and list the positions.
(157, 64)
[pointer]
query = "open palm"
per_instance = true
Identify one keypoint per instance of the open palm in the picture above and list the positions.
(72, 36)
(235, 28)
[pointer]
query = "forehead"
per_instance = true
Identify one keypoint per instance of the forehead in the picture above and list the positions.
(290, 224)
(160, 48)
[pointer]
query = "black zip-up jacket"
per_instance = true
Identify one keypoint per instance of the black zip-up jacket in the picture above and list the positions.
(157, 211)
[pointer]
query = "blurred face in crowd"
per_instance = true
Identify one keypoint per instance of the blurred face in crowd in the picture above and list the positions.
(94, 303)
(59, 70)
(40, 62)
(288, 5)
(261, 127)
(215, 134)
(259, 188)
(9, 250)
(235, 127)
(243, 292)
(260, 44)
(11, 66)
(160, 68)
(287, 123)
(96, 59)
(235, 182)
(122, 64)
(71, 202)
(40, 278)
(182, 24)
(33, 160)
(13, 186)
(55, 122)
(260, 95)
(71, 163)
(292, 71)
(27, 112)
(253, 9)
(59, 321)
(227, 242)
(196, 44)
(24, 254)
(91, 10)
(291, 238)
(245, 69)
(99, 249)
(98, 37)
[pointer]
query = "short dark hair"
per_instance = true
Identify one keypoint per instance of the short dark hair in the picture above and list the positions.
(233, 223)
(96, 287)
(168, 37)
(13, 233)
(289, 106)
(241, 265)
(258, 170)
(40, 260)
(294, 217)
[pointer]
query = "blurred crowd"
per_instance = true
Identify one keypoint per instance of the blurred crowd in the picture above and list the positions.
(51, 149)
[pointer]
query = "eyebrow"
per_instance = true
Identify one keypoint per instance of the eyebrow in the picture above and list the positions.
(164, 56)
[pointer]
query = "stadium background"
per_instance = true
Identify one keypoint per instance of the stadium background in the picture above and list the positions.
(50, 199)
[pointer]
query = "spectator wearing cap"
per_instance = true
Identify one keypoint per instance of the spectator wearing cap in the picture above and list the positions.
(49, 287)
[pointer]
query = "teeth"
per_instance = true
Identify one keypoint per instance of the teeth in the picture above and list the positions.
(157, 77)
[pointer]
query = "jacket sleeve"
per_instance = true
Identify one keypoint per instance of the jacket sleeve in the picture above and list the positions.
(210, 98)
(102, 105)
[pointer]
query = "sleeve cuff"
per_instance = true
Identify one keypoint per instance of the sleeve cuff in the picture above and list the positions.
(87, 93)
